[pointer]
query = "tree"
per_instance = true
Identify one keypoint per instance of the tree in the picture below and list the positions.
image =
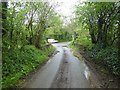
(100, 18)
(4, 16)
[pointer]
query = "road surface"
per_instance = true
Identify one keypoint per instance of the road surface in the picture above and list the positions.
(63, 70)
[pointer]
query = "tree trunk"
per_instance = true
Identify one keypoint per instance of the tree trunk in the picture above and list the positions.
(100, 32)
(4, 16)
(119, 35)
(105, 36)
(91, 32)
(93, 38)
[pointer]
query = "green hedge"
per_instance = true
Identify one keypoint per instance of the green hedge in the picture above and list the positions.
(108, 56)
(18, 63)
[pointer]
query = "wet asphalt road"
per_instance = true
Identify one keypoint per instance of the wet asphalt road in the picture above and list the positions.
(63, 70)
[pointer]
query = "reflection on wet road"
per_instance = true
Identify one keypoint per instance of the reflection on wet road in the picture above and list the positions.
(63, 70)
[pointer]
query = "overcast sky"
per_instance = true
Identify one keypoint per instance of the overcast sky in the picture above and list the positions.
(66, 7)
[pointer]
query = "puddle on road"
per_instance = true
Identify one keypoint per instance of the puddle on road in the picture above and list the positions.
(88, 76)
(48, 61)
(87, 73)
(64, 46)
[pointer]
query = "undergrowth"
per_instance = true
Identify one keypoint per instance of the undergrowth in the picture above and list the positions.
(19, 62)
(107, 57)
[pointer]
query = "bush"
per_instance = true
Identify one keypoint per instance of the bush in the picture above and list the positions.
(84, 41)
(109, 57)
(19, 62)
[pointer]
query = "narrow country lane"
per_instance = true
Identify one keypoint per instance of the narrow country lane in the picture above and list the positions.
(63, 70)
(86, 36)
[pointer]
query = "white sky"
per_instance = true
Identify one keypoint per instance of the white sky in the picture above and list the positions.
(65, 8)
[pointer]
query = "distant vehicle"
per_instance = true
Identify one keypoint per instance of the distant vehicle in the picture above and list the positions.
(52, 41)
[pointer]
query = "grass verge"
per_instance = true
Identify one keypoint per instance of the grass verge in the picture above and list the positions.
(103, 63)
(107, 57)
(73, 46)
(19, 63)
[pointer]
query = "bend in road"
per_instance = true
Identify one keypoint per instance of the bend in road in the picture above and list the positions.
(63, 70)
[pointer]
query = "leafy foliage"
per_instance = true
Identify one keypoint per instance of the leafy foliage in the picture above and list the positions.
(101, 20)
(18, 63)
(107, 57)
(23, 29)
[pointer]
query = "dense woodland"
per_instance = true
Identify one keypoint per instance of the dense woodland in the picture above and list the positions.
(25, 30)
(27, 26)
(98, 29)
